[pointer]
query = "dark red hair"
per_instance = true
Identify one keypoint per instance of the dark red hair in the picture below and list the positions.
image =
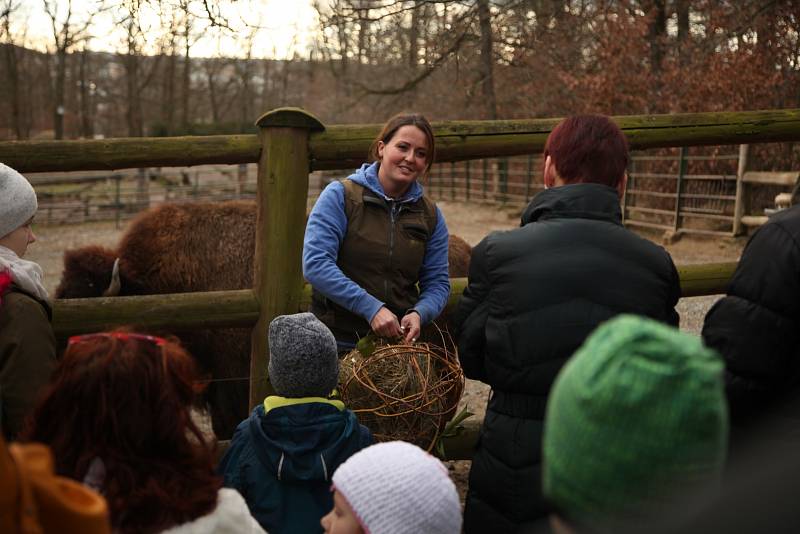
(126, 401)
(588, 148)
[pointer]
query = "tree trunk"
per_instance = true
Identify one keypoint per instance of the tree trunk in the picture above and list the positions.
(364, 55)
(87, 130)
(61, 80)
(212, 90)
(266, 88)
(12, 70)
(487, 60)
(246, 96)
(133, 113)
(413, 39)
(655, 32)
(187, 66)
(682, 12)
(168, 91)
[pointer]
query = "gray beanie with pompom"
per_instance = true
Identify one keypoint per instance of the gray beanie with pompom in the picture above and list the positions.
(303, 358)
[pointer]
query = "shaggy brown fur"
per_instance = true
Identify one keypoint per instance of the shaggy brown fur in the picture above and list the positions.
(458, 255)
(180, 248)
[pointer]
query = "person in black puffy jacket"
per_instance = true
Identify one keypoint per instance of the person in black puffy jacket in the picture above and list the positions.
(756, 328)
(534, 295)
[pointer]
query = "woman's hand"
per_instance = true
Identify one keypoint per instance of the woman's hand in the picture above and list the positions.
(410, 326)
(385, 323)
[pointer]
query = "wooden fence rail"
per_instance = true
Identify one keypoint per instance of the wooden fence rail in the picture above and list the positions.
(345, 146)
(218, 309)
(290, 144)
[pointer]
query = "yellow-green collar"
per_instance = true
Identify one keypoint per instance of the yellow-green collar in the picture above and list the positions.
(274, 401)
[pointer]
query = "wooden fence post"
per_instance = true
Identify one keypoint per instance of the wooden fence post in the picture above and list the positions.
(282, 190)
(739, 205)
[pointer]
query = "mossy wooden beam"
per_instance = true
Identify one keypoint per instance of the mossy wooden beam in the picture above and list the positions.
(129, 153)
(216, 309)
(346, 146)
(702, 279)
(180, 311)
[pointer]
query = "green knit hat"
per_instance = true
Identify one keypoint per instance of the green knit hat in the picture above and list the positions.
(636, 414)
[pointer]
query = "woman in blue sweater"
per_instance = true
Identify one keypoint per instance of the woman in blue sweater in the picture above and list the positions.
(375, 248)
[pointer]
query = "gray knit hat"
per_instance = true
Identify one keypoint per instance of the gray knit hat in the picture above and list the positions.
(397, 488)
(303, 360)
(17, 200)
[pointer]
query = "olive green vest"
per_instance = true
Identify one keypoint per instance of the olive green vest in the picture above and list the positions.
(382, 252)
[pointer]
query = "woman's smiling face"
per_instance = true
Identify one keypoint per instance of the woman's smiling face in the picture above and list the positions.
(404, 158)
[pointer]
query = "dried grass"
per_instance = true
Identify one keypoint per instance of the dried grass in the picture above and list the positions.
(404, 391)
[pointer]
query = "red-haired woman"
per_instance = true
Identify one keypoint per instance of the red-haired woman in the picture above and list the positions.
(117, 417)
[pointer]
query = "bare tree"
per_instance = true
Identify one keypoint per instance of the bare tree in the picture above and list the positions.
(7, 9)
(86, 90)
(169, 46)
(67, 32)
(186, 80)
(137, 76)
(487, 59)
(244, 69)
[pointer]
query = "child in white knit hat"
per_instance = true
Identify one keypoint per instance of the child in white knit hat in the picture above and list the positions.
(393, 488)
(27, 343)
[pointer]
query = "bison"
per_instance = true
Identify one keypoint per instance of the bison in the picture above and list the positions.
(180, 248)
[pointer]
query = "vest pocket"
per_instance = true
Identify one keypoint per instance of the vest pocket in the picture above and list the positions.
(415, 231)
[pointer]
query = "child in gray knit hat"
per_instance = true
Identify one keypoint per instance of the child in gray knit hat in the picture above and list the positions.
(282, 458)
(27, 343)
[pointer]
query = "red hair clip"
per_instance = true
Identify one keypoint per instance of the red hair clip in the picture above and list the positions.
(123, 336)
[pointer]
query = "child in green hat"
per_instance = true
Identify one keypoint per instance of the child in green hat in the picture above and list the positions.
(637, 413)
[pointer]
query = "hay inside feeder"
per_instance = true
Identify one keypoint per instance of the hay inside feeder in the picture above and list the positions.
(403, 391)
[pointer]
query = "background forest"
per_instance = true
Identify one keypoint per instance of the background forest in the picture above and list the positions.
(470, 59)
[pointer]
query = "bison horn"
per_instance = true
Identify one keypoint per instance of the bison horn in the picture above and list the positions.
(115, 285)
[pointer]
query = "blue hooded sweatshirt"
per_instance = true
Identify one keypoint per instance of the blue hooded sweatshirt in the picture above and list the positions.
(326, 230)
(281, 459)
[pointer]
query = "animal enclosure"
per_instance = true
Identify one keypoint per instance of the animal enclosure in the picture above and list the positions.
(291, 144)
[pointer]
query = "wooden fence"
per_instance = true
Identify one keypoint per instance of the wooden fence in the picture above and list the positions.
(290, 144)
(678, 192)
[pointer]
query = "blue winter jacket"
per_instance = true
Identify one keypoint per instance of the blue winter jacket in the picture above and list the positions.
(282, 459)
(325, 231)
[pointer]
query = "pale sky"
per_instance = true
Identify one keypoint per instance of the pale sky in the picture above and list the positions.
(283, 27)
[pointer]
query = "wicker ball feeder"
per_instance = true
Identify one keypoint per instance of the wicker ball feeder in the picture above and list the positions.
(403, 391)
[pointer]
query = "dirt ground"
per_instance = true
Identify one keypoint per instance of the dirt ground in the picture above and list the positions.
(470, 221)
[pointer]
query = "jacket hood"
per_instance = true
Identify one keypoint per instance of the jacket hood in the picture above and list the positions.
(230, 516)
(586, 201)
(302, 442)
(367, 176)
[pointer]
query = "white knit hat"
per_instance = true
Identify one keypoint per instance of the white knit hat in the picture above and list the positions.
(17, 200)
(397, 488)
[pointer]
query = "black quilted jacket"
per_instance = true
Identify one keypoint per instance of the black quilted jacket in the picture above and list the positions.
(534, 295)
(756, 327)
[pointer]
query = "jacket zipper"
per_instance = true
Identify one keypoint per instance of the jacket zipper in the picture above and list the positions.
(392, 207)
